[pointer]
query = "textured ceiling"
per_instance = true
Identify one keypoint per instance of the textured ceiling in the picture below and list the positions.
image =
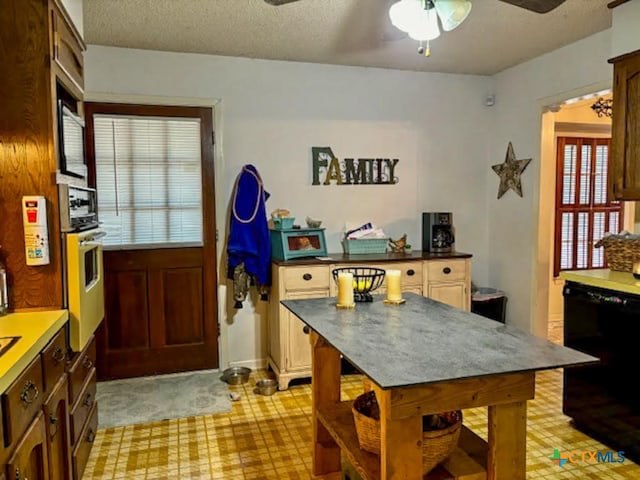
(495, 36)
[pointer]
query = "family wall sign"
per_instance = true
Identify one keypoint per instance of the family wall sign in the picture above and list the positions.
(327, 168)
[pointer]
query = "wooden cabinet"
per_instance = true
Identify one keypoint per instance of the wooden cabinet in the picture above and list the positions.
(54, 358)
(624, 163)
(44, 60)
(82, 449)
(83, 406)
(43, 434)
(447, 280)
(67, 47)
(56, 415)
(21, 401)
(80, 368)
(30, 458)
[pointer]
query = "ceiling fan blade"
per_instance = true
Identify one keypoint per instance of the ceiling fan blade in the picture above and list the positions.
(538, 6)
(277, 3)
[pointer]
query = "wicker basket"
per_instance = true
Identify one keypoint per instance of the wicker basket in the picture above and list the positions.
(365, 245)
(620, 252)
(437, 445)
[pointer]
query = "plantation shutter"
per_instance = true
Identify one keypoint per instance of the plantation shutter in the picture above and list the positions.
(148, 178)
(584, 212)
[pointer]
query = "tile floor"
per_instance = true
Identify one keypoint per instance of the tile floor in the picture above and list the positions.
(269, 438)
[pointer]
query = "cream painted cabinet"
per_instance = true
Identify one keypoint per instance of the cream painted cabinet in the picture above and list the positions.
(299, 351)
(449, 281)
(445, 280)
(289, 349)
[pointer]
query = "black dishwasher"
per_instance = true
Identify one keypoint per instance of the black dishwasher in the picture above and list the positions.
(599, 398)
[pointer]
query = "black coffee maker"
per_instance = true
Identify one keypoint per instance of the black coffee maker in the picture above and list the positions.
(437, 232)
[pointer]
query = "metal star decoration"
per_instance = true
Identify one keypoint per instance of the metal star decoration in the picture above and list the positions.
(509, 172)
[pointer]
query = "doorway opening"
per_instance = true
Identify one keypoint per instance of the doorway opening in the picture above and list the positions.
(574, 154)
(153, 168)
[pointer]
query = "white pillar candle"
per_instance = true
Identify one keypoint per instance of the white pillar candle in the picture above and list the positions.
(394, 289)
(345, 289)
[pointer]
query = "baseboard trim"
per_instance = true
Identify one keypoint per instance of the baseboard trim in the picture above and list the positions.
(255, 364)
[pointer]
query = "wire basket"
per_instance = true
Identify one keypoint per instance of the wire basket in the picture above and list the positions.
(620, 252)
(365, 281)
(437, 444)
(364, 245)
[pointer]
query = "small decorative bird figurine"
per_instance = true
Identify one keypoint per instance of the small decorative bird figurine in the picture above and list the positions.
(311, 223)
(397, 246)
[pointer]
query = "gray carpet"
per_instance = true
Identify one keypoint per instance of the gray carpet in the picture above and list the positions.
(150, 399)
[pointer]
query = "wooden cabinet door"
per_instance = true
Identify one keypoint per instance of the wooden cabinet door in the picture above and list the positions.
(30, 459)
(624, 168)
(56, 413)
(453, 294)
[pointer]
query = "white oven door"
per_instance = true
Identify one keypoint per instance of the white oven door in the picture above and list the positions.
(85, 281)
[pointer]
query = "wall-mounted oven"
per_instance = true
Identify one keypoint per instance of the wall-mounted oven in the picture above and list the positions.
(84, 271)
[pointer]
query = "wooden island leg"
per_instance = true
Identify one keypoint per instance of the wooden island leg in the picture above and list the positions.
(325, 390)
(507, 456)
(400, 441)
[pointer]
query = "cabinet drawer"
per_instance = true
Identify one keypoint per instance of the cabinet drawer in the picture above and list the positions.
(67, 48)
(80, 369)
(22, 400)
(54, 359)
(82, 450)
(410, 272)
(446, 270)
(81, 409)
(306, 278)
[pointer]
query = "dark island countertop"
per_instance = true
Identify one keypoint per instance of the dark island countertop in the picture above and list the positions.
(332, 258)
(423, 341)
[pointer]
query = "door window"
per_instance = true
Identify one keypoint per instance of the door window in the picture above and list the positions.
(148, 178)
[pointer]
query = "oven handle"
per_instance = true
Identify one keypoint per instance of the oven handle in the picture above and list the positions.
(92, 240)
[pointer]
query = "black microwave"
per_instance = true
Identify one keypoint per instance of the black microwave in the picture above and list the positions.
(71, 142)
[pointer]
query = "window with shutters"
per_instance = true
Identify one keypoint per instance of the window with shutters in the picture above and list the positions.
(584, 211)
(148, 178)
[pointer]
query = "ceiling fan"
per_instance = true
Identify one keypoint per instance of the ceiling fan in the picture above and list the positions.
(538, 6)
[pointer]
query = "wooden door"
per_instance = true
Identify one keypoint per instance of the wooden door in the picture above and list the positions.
(30, 459)
(160, 303)
(450, 293)
(56, 411)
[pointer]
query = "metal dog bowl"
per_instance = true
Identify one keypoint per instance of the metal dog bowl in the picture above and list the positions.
(236, 375)
(267, 386)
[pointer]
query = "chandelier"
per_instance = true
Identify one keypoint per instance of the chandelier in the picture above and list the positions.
(603, 107)
(419, 18)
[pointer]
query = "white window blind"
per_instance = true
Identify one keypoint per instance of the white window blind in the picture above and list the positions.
(148, 177)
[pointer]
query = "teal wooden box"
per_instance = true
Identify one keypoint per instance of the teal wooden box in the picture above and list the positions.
(297, 243)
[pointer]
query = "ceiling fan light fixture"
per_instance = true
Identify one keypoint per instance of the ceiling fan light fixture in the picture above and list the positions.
(452, 12)
(405, 14)
(427, 26)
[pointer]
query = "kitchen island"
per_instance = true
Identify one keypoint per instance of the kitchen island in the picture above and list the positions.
(423, 357)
